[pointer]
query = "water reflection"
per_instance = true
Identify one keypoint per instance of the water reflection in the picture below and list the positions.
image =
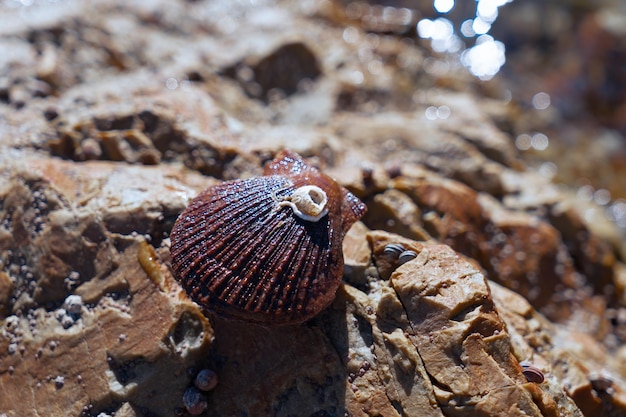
(441, 32)
(487, 56)
(541, 101)
(485, 59)
(538, 142)
(443, 6)
(434, 113)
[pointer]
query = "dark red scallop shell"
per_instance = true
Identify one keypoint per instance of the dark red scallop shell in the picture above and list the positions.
(240, 255)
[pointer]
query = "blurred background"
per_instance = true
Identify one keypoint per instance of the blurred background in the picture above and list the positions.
(560, 65)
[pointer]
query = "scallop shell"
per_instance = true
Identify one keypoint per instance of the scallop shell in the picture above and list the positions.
(240, 253)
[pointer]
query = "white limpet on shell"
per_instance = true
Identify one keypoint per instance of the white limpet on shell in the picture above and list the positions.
(307, 202)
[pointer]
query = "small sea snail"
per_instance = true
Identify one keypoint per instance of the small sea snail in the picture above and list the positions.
(399, 253)
(393, 250)
(406, 256)
(532, 373)
(194, 401)
(266, 249)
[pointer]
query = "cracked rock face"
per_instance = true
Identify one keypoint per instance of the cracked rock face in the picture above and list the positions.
(472, 287)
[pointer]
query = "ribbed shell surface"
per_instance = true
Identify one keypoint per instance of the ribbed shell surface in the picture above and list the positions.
(238, 253)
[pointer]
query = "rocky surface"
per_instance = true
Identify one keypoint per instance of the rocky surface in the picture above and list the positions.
(114, 115)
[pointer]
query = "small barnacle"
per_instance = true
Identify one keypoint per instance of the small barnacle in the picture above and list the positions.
(307, 202)
(64, 318)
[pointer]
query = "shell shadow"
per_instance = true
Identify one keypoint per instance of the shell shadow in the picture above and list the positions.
(275, 371)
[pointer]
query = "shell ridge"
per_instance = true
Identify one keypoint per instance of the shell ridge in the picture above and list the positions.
(352, 209)
(286, 248)
(206, 271)
(277, 246)
(258, 232)
(301, 265)
(220, 214)
(255, 256)
(264, 215)
(316, 273)
(234, 245)
(226, 243)
(206, 292)
(219, 241)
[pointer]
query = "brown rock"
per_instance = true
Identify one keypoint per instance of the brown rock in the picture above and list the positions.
(356, 252)
(457, 332)
(294, 63)
(412, 141)
(124, 337)
(451, 209)
(102, 105)
(287, 370)
(592, 256)
(6, 291)
(108, 355)
(515, 248)
(395, 212)
(567, 358)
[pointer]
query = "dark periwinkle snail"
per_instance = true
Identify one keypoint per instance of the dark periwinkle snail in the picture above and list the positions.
(194, 401)
(266, 249)
(205, 380)
(393, 250)
(406, 256)
(532, 373)
(399, 253)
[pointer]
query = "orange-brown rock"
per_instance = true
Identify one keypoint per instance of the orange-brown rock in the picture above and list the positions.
(113, 115)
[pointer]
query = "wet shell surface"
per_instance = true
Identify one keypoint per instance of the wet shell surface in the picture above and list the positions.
(266, 249)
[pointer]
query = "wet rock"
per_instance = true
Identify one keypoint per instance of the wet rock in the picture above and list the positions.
(566, 357)
(451, 211)
(76, 356)
(284, 71)
(116, 116)
(592, 255)
(356, 253)
(6, 291)
(100, 369)
(421, 142)
(395, 212)
(456, 331)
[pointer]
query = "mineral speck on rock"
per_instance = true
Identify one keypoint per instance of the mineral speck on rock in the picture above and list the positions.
(73, 304)
(59, 381)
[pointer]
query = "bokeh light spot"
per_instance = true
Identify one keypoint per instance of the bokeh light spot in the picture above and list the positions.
(443, 6)
(541, 101)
